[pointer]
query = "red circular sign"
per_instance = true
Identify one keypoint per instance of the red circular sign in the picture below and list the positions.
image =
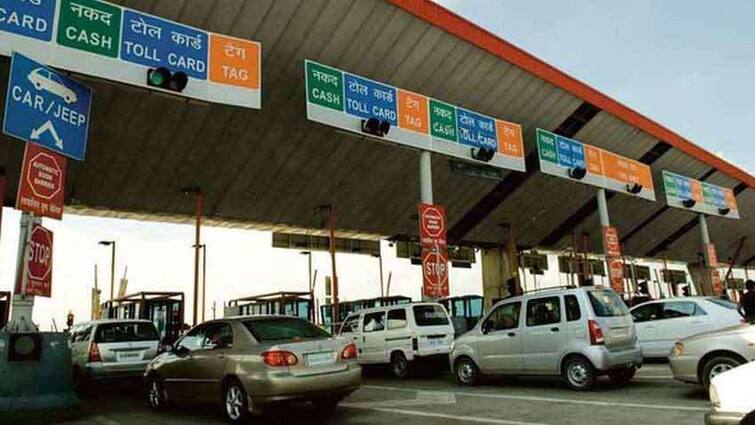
(433, 222)
(40, 253)
(44, 175)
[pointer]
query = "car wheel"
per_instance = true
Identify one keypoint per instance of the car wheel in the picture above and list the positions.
(467, 372)
(399, 365)
(157, 395)
(579, 374)
(325, 406)
(621, 377)
(80, 382)
(717, 366)
(235, 402)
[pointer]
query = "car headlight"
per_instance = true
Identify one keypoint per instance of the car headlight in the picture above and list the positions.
(678, 349)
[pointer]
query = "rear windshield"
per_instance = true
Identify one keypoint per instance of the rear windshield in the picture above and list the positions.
(607, 304)
(723, 303)
(126, 332)
(430, 315)
(283, 329)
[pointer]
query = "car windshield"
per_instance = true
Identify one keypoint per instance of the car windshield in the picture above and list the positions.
(723, 303)
(607, 304)
(430, 315)
(283, 329)
(126, 332)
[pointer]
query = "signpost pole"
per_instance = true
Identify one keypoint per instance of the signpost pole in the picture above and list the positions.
(603, 208)
(425, 177)
(704, 231)
(21, 304)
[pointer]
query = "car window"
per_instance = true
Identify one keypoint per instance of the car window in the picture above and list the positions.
(543, 311)
(572, 308)
(722, 303)
(374, 322)
(81, 334)
(194, 339)
(605, 303)
(430, 315)
(647, 312)
(218, 335)
(503, 317)
(397, 318)
(283, 329)
(675, 310)
(126, 332)
(350, 325)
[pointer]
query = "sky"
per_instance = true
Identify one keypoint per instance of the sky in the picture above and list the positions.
(685, 64)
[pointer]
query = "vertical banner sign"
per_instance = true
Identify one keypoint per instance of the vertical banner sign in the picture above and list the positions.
(39, 263)
(715, 278)
(612, 249)
(432, 235)
(41, 184)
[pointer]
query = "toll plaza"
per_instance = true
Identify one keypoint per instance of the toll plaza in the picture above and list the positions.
(295, 304)
(164, 309)
(336, 125)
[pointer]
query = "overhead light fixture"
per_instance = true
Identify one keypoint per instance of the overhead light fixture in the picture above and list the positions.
(577, 173)
(482, 154)
(376, 127)
(689, 203)
(634, 188)
(724, 211)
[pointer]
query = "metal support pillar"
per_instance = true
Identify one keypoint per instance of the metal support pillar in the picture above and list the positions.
(704, 232)
(425, 177)
(198, 224)
(332, 234)
(603, 208)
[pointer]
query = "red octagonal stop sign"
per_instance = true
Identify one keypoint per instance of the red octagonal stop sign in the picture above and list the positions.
(435, 273)
(432, 224)
(39, 262)
(40, 189)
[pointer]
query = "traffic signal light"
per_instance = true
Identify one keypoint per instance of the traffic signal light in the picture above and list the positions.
(577, 173)
(634, 188)
(689, 203)
(376, 127)
(163, 78)
(69, 320)
(483, 154)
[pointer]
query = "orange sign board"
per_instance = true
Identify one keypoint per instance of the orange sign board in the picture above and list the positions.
(412, 111)
(234, 61)
(510, 140)
(593, 160)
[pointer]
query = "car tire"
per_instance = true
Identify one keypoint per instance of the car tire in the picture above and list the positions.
(466, 372)
(717, 365)
(579, 373)
(235, 402)
(622, 377)
(325, 406)
(81, 383)
(399, 365)
(157, 395)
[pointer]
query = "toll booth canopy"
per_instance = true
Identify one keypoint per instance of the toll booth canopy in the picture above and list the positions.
(348, 307)
(5, 298)
(465, 311)
(164, 309)
(296, 304)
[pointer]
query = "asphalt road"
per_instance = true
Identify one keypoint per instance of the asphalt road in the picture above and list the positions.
(652, 398)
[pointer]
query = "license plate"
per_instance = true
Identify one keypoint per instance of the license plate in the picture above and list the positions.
(128, 357)
(435, 342)
(620, 333)
(315, 359)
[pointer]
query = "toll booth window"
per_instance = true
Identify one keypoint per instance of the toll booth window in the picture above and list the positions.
(430, 315)
(504, 317)
(350, 325)
(475, 307)
(374, 322)
(543, 311)
(458, 308)
(218, 335)
(572, 308)
(397, 319)
(126, 332)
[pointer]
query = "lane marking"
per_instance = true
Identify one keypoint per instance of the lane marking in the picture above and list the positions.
(105, 421)
(474, 419)
(423, 398)
(552, 399)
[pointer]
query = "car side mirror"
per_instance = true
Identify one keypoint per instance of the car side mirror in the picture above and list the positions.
(485, 328)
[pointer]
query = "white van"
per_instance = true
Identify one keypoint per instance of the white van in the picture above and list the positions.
(400, 334)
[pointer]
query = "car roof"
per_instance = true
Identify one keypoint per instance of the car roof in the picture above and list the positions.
(105, 321)
(391, 307)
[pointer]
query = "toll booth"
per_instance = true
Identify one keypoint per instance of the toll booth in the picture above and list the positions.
(5, 298)
(296, 304)
(465, 311)
(164, 309)
(348, 307)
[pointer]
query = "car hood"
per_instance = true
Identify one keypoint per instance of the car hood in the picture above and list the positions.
(728, 331)
(732, 390)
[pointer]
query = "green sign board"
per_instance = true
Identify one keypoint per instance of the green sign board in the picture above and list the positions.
(669, 184)
(442, 120)
(325, 86)
(546, 143)
(90, 25)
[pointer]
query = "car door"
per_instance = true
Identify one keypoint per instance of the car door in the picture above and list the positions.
(646, 321)
(544, 335)
(372, 349)
(209, 362)
(350, 329)
(176, 368)
(500, 345)
(679, 322)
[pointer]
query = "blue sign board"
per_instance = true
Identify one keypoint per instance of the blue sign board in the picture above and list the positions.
(476, 130)
(154, 42)
(683, 187)
(30, 18)
(571, 154)
(368, 99)
(47, 108)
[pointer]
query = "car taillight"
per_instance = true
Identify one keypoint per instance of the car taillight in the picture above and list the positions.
(94, 353)
(596, 333)
(349, 352)
(279, 358)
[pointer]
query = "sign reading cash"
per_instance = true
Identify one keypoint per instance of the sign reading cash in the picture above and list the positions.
(348, 101)
(694, 195)
(97, 38)
(568, 158)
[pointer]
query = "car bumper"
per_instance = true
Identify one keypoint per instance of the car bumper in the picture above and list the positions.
(684, 368)
(268, 387)
(605, 360)
(98, 371)
(723, 418)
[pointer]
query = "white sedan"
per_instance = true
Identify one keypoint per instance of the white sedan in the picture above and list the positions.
(661, 323)
(731, 396)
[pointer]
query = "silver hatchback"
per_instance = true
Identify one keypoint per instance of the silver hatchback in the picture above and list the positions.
(576, 333)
